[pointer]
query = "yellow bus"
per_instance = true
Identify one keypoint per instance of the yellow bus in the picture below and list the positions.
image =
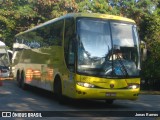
(81, 56)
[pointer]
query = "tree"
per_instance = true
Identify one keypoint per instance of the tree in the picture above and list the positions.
(150, 32)
(135, 9)
(96, 6)
(19, 15)
(6, 25)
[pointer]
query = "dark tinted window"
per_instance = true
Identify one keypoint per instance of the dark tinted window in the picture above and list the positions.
(49, 35)
(53, 33)
(69, 43)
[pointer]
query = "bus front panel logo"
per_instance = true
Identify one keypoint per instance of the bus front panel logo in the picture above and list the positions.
(111, 85)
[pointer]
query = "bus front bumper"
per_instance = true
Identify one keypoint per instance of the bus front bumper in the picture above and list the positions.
(98, 93)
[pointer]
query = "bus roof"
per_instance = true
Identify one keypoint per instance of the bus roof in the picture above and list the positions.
(92, 15)
(98, 15)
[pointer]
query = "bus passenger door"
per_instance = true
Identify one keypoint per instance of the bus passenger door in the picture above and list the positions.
(69, 53)
(70, 83)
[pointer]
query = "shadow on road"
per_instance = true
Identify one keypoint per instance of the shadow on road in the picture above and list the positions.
(78, 104)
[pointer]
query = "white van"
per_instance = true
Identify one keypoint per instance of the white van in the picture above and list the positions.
(4, 61)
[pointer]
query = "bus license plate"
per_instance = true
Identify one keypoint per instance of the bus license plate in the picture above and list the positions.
(111, 94)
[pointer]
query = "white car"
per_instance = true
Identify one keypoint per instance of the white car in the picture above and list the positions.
(4, 71)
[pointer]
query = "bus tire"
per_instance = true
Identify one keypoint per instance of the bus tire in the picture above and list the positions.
(22, 83)
(109, 101)
(18, 78)
(58, 90)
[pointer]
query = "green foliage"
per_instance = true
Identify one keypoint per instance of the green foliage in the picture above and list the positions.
(97, 6)
(135, 9)
(151, 34)
(19, 15)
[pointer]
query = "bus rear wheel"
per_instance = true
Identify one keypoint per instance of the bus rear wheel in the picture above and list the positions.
(22, 83)
(18, 78)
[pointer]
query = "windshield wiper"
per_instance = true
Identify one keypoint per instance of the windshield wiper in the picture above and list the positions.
(122, 65)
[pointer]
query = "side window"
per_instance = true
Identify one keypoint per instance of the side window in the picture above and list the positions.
(32, 40)
(69, 47)
(51, 34)
(54, 33)
(71, 54)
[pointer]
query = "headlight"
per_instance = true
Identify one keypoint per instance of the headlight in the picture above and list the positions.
(133, 86)
(88, 85)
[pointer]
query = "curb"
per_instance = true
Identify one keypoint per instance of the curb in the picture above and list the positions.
(150, 92)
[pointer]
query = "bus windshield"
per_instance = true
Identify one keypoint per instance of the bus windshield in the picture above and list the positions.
(107, 48)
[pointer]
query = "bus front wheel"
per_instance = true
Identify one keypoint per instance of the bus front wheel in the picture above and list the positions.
(58, 90)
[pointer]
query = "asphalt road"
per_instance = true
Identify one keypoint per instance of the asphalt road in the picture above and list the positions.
(13, 98)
